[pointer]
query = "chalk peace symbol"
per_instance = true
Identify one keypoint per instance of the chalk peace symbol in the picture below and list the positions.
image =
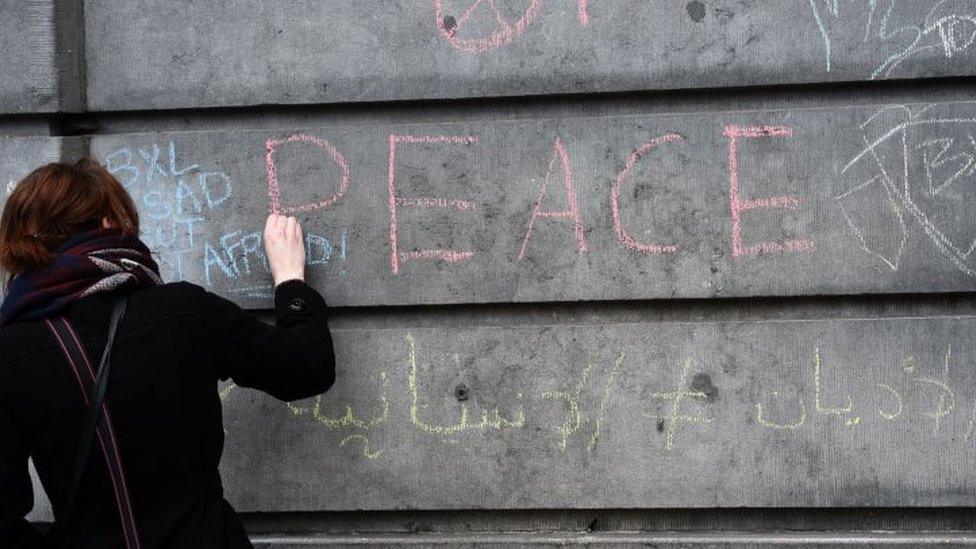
(480, 25)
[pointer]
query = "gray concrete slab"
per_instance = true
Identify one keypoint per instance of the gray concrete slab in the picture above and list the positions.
(553, 106)
(603, 521)
(828, 413)
(20, 155)
(804, 202)
(614, 540)
(28, 74)
(150, 55)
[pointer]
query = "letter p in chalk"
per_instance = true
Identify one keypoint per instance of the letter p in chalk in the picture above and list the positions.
(274, 188)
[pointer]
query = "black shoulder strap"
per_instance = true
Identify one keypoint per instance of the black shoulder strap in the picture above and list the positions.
(93, 386)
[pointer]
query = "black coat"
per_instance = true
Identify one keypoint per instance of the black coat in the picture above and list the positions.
(174, 343)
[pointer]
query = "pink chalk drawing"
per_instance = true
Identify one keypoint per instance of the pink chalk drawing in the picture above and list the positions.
(628, 241)
(572, 210)
(451, 256)
(274, 188)
(584, 13)
(737, 205)
(459, 205)
(396, 201)
(502, 29)
(917, 164)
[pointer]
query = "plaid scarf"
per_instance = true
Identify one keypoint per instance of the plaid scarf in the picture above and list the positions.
(99, 260)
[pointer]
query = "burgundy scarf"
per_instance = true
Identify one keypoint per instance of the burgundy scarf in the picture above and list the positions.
(99, 260)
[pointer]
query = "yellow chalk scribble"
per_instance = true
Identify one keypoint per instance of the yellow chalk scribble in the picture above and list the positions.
(898, 399)
(947, 399)
(824, 410)
(676, 397)
(348, 419)
(366, 453)
(604, 401)
(573, 415)
(972, 421)
(493, 419)
(299, 410)
(761, 417)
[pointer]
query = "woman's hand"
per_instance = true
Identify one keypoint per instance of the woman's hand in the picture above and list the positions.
(285, 246)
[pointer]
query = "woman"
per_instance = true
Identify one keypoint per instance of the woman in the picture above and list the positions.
(69, 241)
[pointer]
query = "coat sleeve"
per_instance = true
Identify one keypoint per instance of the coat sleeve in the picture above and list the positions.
(292, 360)
(16, 492)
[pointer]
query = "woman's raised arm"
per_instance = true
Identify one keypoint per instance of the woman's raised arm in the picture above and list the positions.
(293, 359)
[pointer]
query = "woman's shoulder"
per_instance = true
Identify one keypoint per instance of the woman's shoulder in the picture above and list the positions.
(147, 305)
(173, 290)
(172, 297)
(179, 288)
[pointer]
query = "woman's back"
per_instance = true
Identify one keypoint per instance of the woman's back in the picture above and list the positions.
(164, 428)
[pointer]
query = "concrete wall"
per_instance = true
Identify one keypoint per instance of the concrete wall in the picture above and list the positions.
(736, 298)
(809, 201)
(144, 55)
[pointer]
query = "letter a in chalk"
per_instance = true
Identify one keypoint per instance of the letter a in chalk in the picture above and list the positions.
(560, 161)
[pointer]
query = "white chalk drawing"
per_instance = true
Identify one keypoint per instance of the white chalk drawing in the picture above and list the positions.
(915, 165)
(949, 27)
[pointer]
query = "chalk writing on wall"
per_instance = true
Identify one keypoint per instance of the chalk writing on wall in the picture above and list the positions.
(576, 417)
(274, 188)
(949, 27)
(173, 198)
(675, 417)
(893, 31)
(179, 201)
(396, 201)
(571, 202)
(623, 235)
(680, 401)
(917, 165)
(571, 211)
(737, 205)
(481, 25)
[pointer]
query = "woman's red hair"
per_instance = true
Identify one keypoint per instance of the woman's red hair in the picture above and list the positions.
(55, 202)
